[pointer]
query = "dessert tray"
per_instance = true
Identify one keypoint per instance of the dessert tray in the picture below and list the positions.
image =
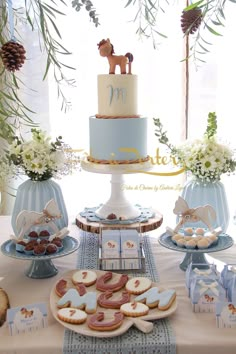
(142, 322)
(196, 255)
(41, 266)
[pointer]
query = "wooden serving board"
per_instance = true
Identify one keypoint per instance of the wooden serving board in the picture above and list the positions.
(142, 323)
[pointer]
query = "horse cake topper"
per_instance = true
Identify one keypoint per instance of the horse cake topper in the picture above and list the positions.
(106, 49)
(205, 214)
(27, 219)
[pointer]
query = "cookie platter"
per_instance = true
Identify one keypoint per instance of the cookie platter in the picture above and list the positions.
(141, 322)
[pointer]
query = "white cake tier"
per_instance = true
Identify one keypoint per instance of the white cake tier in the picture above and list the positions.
(117, 95)
(122, 139)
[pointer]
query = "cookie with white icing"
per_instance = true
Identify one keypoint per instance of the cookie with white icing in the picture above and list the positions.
(87, 277)
(72, 315)
(138, 285)
(156, 298)
(134, 309)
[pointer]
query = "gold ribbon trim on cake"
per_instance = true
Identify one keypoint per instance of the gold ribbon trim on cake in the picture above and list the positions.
(117, 162)
(101, 116)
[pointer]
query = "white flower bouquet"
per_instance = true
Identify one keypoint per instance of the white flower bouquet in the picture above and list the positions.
(41, 158)
(205, 158)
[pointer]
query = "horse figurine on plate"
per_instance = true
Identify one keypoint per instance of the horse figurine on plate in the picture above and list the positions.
(106, 49)
(205, 213)
(27, 219)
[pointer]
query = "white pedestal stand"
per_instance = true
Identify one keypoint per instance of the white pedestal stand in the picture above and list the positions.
(117, 204)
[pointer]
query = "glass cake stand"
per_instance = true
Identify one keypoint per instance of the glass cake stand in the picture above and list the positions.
(117, 204)
(41, 266)
(196, 256)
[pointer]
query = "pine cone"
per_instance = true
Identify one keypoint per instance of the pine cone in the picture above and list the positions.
(13, 55)
(191, 20)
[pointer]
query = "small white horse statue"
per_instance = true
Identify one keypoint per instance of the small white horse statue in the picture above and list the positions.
(205, 213)
(27, 219)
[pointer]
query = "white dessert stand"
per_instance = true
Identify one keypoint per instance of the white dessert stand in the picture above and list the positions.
(117, 204)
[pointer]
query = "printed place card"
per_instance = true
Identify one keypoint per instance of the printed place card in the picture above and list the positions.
(27, 318)
(225, 314)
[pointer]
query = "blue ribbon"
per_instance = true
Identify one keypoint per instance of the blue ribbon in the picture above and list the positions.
(11, 19)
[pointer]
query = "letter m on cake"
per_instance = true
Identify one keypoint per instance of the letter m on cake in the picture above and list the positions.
(116, 93)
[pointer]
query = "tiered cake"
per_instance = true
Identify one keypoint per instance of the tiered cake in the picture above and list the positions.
(118, 135)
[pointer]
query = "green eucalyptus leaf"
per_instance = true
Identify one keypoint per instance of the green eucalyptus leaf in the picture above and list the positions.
(128, 3)
(212, 30)
(193, 6)
(47, 7)
(205, 50)
(55, 27)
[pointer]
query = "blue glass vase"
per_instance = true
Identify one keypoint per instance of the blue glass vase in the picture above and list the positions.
(197, 193)
(33, 196)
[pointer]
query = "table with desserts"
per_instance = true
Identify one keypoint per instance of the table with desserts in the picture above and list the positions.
(194, 332)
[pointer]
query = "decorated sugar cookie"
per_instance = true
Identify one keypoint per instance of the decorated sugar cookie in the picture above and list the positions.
(72, 315)
(154, 298)
(105, 282)
(87, 277)
(134, 309)
(138, 285)
(111, 301)
(88, 301)
(108, 322)
(61, 288)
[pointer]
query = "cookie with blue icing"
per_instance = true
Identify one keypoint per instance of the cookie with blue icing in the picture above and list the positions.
(156, 298)
(87, 302)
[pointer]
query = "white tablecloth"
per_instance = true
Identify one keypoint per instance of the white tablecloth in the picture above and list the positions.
(195, 332)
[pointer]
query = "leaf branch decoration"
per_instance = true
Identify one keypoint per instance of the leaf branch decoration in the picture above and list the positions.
(147, 18)
(213, 18)
(42, 15)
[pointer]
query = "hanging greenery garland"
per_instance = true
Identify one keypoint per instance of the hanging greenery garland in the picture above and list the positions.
(42, 15)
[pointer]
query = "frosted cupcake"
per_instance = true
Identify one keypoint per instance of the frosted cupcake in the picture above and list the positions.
(188, 238)
(188, 231)
(20, 246)
(199, 231)
(198, 237)
(203, 243)
(181, 242)
(176, 237)
(214, 239)
(191, 244)
(210, 242)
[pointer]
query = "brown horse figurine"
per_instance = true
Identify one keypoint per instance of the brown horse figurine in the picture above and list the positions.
(106, 49)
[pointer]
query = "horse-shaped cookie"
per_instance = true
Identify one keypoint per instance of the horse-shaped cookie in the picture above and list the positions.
(106, 49)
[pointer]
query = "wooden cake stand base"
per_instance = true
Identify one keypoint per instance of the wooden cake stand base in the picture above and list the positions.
(95, 227)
